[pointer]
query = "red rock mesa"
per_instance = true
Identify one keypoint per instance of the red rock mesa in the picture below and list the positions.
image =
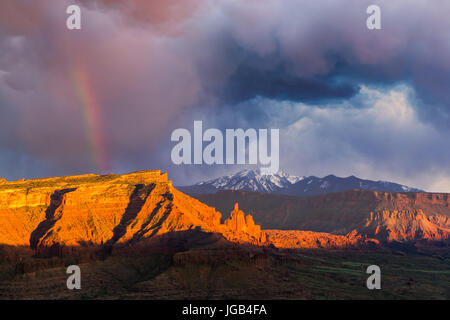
(110, 209)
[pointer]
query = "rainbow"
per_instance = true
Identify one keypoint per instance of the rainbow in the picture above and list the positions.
(91, 111)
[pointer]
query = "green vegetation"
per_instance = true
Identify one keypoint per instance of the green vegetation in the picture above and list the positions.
(333, 275)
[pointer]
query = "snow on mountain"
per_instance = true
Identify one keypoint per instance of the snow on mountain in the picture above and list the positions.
(252, 180)
(283, 183)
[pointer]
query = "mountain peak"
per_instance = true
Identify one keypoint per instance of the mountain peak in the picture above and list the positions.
(252, 180)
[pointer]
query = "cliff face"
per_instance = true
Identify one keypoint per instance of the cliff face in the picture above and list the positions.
(95, 210)
(406, 225)
(385, 216)
(317, 240)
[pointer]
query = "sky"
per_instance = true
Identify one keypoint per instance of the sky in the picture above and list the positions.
(106, 98)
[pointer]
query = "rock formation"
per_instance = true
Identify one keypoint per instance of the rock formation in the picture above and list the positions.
(386, 216)
(406, 225)
(243, 225)
(93, 210)
(316, 240)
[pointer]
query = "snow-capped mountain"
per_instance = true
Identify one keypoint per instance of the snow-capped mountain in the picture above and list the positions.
(252, 180)
(283, 183)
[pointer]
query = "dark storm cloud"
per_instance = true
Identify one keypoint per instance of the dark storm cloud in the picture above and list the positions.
(250, 81)
(312, 54)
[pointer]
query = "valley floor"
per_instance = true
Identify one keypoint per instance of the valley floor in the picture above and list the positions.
(235, 273)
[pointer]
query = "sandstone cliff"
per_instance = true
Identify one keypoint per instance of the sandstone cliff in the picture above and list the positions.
(386, 216)
(406, 225)
(92, 210)
(316, 240)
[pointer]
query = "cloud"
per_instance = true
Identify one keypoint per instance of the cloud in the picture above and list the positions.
(383, 140)
(137, 83)
(153, 66)
(247, 83)
(329, 42)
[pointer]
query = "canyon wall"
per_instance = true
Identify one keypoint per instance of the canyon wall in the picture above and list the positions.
(103, 210)
(386, 216)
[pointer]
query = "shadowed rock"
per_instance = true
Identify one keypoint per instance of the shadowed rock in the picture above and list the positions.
(52, 214)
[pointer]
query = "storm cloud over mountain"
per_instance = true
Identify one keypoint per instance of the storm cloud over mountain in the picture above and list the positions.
(347, 100)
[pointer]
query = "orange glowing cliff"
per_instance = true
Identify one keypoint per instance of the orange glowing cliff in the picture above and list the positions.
(108, 210)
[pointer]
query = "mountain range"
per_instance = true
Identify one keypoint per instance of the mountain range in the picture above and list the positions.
(283, 183)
